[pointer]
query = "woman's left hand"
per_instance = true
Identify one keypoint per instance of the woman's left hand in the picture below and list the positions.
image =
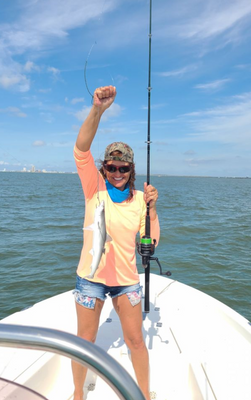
(151, 197)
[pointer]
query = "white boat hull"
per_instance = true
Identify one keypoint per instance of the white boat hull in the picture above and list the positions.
(199, 348)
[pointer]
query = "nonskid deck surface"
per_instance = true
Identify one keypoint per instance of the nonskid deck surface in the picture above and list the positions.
(59, 313)
(164, 355)
(198, 348)
(160, 343)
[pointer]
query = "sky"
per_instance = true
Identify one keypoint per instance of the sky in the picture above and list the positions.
(200, 79)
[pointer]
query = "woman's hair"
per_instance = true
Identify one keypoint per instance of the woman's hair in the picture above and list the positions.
(131, 179)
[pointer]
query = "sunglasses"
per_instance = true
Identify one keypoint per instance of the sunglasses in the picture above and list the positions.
(113, 168)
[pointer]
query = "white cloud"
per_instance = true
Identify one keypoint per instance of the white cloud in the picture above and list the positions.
(54, 71)
(220, 18)
(62, 144)
(7, 81)
(160, 143)
(42, 24)
(200, 21)
(77, 100)
(30, 67)
(45, 90)
(228, 124)
(38, 27)
(82, 115)
(13, 111)
(243, 67)
(189, 153)
(38, 143)
(119, 79)
(47, 117)
(178, 72)
(195, 162)
(12, 73)
(11, 79)
(112, 112)
(212, 86)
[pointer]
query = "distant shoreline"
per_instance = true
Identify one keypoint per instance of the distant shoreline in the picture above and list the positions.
(152, 175)
(39, 172)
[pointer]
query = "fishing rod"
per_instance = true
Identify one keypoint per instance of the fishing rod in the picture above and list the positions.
(146, 247)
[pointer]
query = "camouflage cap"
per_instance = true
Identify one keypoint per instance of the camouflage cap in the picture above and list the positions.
(123, 148)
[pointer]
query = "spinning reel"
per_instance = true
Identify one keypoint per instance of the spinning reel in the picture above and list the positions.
(146, 250)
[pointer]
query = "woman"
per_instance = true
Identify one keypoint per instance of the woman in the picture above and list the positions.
(125, 210)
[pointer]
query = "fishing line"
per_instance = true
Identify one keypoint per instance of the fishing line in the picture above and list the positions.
(85, 69)
(92, 98)
(88, 56)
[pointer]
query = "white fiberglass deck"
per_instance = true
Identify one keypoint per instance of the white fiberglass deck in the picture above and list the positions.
(198, 347)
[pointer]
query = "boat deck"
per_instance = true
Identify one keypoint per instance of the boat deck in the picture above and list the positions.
(199, 349)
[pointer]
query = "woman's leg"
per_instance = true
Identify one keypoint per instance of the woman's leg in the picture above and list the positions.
(88, 322)
(131, 322)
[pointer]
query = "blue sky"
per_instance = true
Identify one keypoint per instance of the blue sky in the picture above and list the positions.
(201, 70)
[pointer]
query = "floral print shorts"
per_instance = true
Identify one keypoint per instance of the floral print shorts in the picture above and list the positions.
(86, 292)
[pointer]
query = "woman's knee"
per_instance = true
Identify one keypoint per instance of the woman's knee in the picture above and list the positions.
(89, 336)
(88, 321)
(135, 342)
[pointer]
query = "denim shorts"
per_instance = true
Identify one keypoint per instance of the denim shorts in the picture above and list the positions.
(86, 292)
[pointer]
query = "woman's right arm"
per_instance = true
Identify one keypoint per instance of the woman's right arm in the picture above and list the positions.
(102, 99)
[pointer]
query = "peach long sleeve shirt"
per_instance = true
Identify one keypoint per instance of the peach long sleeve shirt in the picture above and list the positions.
(123, 221)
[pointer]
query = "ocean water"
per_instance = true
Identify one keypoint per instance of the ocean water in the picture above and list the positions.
(205, 236)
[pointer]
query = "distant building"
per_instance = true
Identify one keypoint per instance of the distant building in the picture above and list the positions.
(33, 169)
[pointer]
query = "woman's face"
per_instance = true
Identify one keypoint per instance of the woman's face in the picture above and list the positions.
(118, 179)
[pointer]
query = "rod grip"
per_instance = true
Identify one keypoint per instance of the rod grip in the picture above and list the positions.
(147, 288)
(148, 226)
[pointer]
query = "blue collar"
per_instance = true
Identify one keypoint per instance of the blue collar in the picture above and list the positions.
(117, 196)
